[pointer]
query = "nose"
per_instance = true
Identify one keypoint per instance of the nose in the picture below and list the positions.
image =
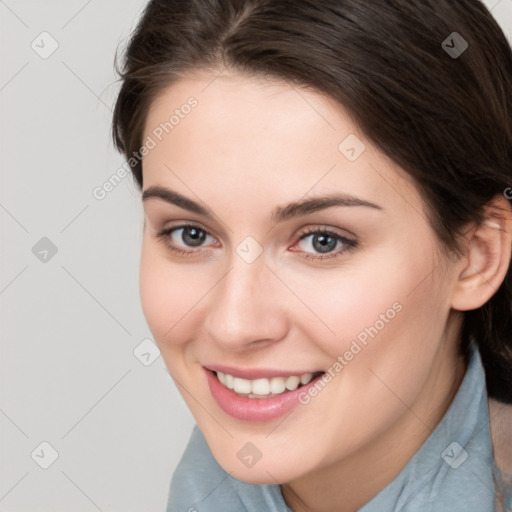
(247, 308)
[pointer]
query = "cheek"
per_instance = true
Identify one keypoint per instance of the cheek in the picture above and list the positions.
(339, 307)
(383, 310)
(168, 293)
(394, 333)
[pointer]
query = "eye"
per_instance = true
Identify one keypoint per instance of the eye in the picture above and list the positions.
(325, 243)
(314, 244)
(181, 238)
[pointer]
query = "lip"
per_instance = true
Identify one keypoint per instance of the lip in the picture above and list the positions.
(255, 409)
(255, 373)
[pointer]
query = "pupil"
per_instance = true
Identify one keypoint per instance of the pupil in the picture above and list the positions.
(193, 236)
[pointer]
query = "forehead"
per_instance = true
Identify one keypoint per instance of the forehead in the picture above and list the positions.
(265, 135)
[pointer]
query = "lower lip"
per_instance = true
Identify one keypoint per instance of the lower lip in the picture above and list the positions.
(255, 409)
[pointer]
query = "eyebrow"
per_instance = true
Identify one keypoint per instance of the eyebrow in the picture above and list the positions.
(280, 214)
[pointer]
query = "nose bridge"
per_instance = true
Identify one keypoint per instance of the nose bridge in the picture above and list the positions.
(244, 306)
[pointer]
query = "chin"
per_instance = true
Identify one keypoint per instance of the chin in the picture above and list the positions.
(264, 471)
(264, 475)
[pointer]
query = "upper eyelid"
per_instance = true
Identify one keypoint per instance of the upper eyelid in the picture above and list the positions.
(304, 231)
(222, 228)
(322, 229)
(153, 207)
(186, 225)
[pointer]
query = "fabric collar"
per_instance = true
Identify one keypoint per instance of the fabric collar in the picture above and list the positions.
(452, 471)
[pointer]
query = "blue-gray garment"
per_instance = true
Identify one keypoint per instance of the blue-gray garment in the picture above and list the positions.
(451, 472)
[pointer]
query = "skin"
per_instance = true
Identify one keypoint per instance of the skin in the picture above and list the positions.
(252, 145)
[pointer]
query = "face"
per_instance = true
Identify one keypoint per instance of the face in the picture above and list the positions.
(281, 249)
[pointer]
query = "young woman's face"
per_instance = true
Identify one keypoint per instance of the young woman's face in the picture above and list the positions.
(276, 245)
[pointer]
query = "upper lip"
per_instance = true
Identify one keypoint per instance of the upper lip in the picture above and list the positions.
(255, 373)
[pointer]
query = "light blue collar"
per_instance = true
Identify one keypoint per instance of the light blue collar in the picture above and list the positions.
(451, 472)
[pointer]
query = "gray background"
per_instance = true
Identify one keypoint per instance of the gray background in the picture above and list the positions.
(71, 321)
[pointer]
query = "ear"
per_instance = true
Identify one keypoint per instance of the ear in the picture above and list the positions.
(484, 266)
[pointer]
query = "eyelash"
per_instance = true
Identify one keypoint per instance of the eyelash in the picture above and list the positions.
(349, 244)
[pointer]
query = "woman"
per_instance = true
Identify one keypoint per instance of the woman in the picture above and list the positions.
(326, 251)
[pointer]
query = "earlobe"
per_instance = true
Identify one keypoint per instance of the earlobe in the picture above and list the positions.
(486, 262)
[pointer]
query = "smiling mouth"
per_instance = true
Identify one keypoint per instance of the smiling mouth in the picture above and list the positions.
(264, 388)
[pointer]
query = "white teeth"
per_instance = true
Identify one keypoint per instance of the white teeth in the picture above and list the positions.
(261, 388)
(277, 385)
(229, 381)
(241, 385)
(304, 379)
(292, 382)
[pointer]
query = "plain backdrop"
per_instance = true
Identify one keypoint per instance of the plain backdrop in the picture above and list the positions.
(90, 419)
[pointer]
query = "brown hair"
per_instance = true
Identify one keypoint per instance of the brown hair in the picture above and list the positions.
(444, 118)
